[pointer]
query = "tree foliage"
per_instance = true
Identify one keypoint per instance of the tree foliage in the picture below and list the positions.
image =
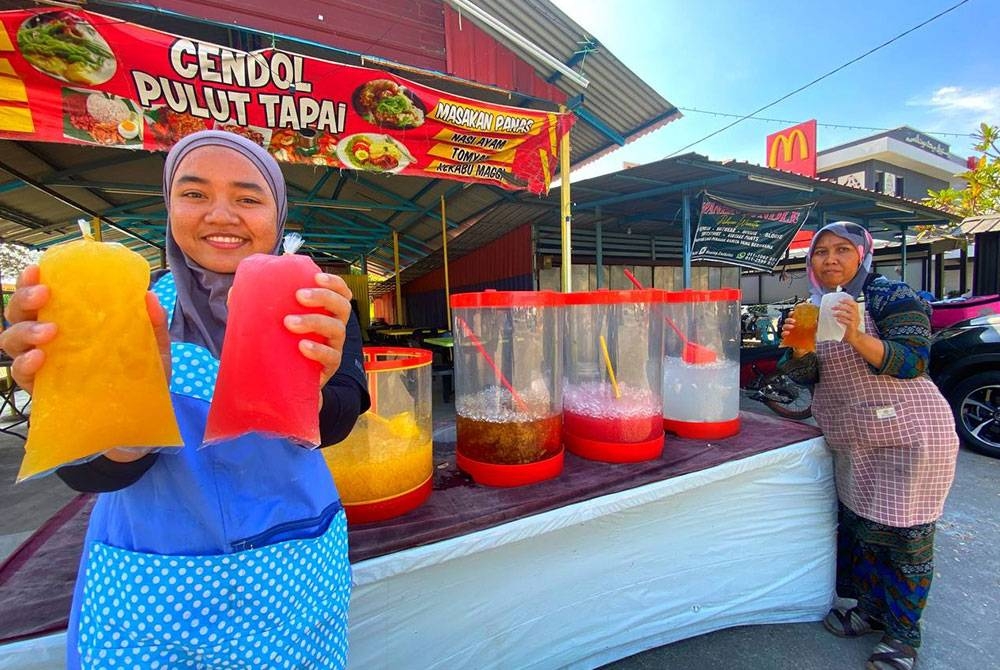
(13, 259)
(981, 194)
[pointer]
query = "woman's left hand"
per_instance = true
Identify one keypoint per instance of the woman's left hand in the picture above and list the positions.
(331, 294)
(847, 314)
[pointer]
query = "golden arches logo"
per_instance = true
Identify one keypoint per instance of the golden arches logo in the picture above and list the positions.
(787, 143)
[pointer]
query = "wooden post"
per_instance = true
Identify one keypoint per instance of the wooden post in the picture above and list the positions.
(566, 216)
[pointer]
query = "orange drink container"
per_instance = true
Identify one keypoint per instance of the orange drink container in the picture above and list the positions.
(802, 338)
(102, 385)
(385, 467)
(265, 384)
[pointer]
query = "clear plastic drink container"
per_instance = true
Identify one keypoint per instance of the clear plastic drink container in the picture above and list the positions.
(612, 403)
(701, 363)
(384, 468)
(508, 375)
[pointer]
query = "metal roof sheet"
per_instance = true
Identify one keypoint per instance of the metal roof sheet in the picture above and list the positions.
(989, 223)
(616, 95)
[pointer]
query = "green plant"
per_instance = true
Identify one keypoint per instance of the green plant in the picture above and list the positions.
(981, 194)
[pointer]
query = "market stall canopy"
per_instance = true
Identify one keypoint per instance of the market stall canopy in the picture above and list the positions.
(639, 209)
(347, 216)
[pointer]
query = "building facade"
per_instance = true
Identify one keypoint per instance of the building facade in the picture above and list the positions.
(902, 162)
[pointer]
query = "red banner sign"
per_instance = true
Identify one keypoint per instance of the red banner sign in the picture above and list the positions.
(794, 149)
(82, 78)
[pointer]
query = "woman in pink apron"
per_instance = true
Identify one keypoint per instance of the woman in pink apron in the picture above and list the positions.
(893, 440)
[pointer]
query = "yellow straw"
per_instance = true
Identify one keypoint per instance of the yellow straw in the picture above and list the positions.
(611, 370)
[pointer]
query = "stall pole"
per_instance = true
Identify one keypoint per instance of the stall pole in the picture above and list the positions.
(599, 232)
(686, 241)
(902, 254)
(963, 269)
(444, 248)
(399, 286)
(565, 215)
(939, 291)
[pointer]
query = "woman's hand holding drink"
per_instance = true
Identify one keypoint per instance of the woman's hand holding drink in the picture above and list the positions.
(333, 296)
(270, 379)
(89, 342)
(799, 330)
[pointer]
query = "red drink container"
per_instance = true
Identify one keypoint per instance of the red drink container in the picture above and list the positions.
(265, 384)
(612, 400)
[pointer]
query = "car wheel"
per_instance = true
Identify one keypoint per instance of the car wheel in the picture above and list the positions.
(976, 403)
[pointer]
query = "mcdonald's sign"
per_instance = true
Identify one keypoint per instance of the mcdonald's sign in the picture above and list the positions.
(794, 149)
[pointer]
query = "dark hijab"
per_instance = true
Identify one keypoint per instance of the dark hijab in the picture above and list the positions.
(200, 313)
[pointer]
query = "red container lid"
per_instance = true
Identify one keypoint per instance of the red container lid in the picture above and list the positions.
(606, 297)
(715, 295)
(490, 298)
(395, 358)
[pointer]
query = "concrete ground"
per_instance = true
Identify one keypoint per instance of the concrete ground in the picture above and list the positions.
(961, 622)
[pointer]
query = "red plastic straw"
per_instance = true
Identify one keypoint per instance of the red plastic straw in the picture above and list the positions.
(631, 278)
(500, 376)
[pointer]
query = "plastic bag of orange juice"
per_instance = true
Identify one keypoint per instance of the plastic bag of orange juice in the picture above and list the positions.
(102, 385)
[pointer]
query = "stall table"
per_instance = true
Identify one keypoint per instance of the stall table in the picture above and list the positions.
(601, 563)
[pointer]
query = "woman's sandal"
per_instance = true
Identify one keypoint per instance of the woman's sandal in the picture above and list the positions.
(849, 623)
(892, 654)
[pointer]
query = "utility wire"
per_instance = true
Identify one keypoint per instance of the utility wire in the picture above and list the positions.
(820, 78)
(822, 125)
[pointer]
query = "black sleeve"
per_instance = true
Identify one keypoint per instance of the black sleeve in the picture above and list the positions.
(102, 474)
(345, 396)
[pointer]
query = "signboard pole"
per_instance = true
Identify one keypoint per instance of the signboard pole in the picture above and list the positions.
(565, 213)
(686, 238)
(444, 247)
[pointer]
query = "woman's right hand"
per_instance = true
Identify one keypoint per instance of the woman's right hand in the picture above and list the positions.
(25, 333)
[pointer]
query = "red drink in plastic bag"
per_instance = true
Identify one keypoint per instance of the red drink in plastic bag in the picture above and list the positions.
(265, 384)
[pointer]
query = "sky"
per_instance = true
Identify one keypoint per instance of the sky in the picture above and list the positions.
(735, 56)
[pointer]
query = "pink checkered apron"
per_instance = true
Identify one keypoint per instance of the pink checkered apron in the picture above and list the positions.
(893, 440)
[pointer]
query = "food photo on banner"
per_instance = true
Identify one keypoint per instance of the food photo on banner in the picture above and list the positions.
(751, 236)
(78, 77)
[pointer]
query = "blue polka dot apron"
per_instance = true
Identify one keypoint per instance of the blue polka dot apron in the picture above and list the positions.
(231, 556)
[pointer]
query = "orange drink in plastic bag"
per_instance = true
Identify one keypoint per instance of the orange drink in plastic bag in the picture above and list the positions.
(802, 338)
(102, 385)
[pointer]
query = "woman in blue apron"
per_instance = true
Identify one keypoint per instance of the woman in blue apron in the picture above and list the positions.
(234, 555)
